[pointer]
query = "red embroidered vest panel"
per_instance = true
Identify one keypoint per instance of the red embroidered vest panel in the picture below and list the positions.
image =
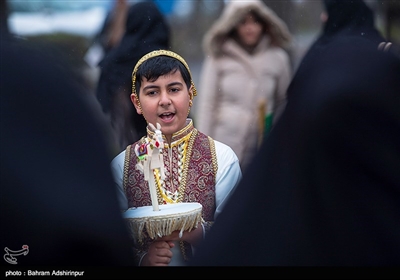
(190, 170)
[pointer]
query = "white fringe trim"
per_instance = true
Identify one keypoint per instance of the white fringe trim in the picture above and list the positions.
(158, 226)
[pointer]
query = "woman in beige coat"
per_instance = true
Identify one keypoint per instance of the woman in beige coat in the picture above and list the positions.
(244, 77)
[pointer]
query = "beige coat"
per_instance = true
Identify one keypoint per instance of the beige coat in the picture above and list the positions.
(234, 84)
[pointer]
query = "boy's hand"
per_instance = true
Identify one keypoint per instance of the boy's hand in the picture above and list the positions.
(159, 254)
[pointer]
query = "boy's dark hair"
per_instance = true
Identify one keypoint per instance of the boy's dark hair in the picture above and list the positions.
(158, 66)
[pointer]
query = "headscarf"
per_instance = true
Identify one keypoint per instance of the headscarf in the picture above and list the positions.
(347, 20)
(347, 15)
(146, 30)
(233, 12)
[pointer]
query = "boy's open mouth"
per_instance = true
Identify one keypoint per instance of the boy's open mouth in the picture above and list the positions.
(167, 116)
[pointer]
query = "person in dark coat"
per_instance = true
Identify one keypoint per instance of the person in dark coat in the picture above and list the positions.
(146, 30)
(58, 202)
(345, 18)
(324, 189)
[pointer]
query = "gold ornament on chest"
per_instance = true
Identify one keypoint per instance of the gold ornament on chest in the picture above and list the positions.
(171, 188)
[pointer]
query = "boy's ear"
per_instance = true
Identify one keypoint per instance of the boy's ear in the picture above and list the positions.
(191, 92)
(136, 103)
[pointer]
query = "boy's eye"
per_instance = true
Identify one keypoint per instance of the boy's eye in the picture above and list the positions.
(151, 93)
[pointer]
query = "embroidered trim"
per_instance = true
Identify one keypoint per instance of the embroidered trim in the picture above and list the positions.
(184, 248)
(162, 193)
(126, 167)
(182, 185)
(213, 156)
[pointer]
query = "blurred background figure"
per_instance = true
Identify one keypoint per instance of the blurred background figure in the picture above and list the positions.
(114, 26)
(57, 192)
(146, 30)
(345, 18)
(4, 11)
(244, 77)
(325, 188)
(353, 18)
(110, 34)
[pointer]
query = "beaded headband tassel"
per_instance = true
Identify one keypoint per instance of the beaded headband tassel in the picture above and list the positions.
(160, 53)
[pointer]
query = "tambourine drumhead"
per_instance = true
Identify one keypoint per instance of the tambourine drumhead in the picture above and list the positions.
(165, 209)
(170, 217)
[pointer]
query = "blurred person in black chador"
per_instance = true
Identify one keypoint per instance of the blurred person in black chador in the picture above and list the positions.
(113, 27)
(146, 30)
(353, 18)
(58, 201)
(346, 18)
(324, 189)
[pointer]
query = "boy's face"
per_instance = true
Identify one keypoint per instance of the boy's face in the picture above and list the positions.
(164, 101)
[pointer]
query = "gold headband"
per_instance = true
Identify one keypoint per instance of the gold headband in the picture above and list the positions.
(159, 53)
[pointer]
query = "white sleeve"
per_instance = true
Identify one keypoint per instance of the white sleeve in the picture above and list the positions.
(228, 176)
(117, 168)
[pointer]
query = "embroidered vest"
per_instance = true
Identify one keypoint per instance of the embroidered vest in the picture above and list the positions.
(190, 171)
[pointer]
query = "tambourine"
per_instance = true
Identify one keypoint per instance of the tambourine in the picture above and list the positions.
(170, 217)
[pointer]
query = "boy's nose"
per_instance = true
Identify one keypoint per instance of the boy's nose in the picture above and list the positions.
(165, 100)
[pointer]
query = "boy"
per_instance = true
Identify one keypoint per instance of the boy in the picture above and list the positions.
(196, 167)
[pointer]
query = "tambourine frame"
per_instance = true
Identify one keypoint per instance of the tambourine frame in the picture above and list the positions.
(170, 217)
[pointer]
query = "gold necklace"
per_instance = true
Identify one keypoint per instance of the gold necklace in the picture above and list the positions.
(185, 148)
